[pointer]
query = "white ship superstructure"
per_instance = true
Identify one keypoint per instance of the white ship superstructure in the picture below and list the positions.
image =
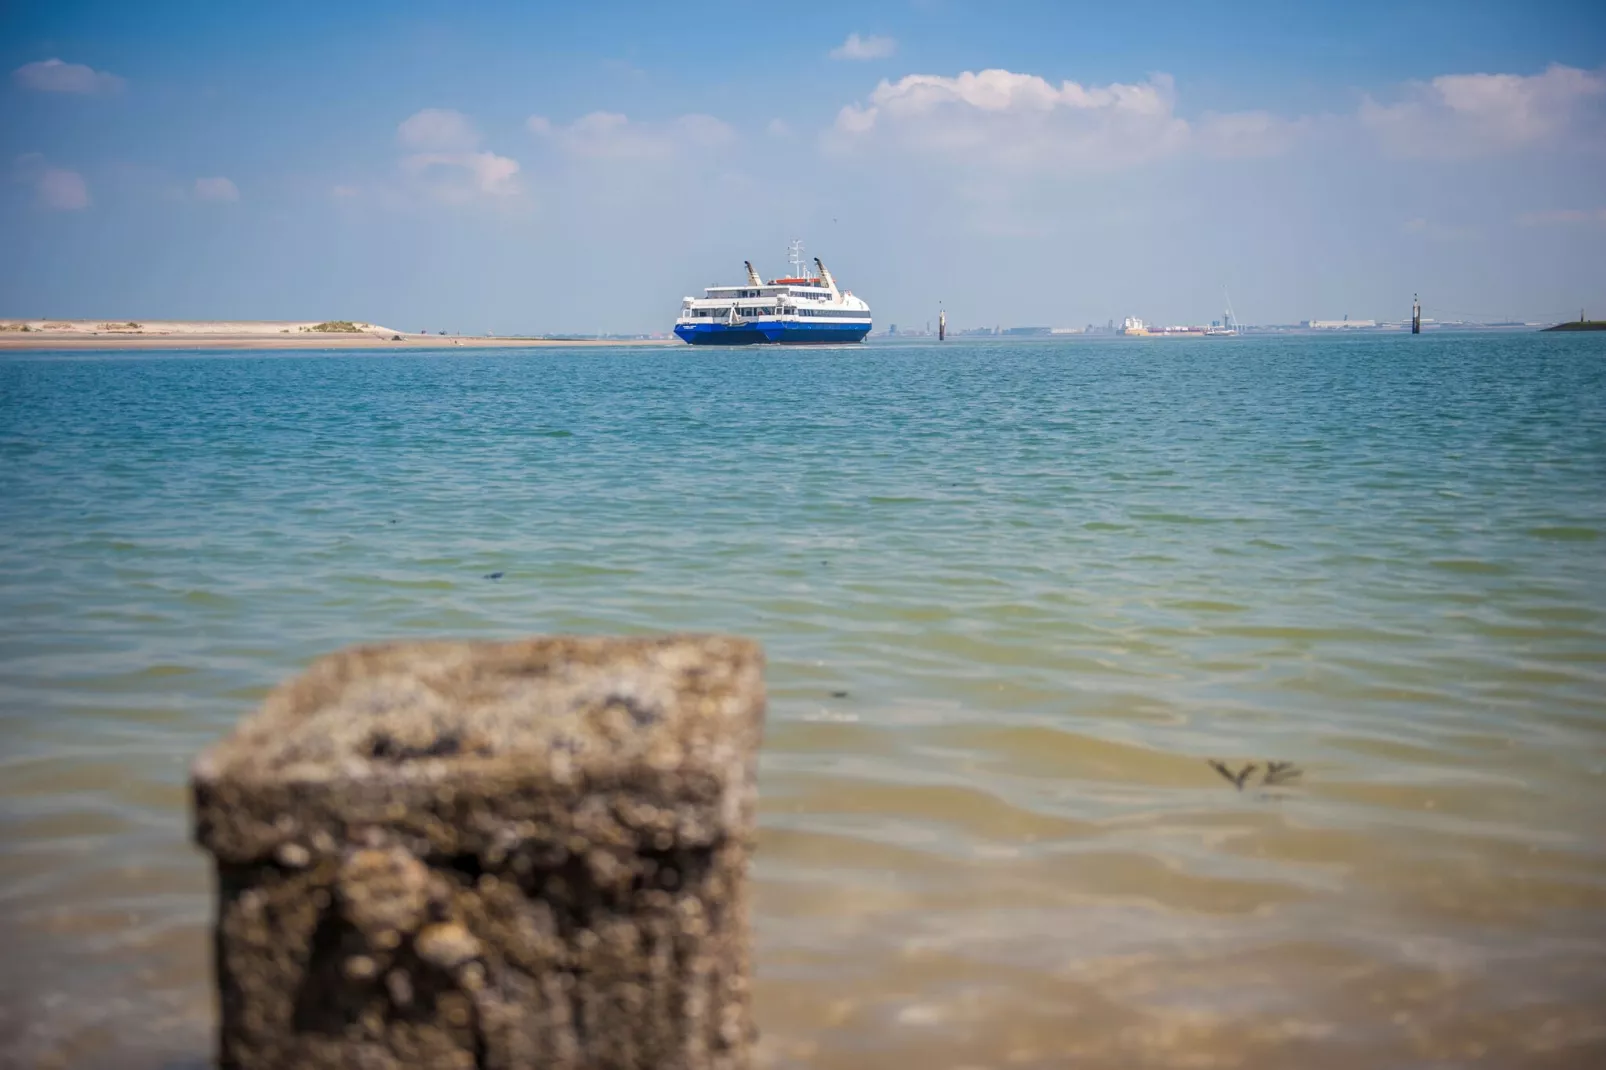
(801, 308)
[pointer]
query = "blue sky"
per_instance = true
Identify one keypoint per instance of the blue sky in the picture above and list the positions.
(553, 167)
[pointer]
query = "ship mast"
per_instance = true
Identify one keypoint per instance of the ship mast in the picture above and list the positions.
(796, 249)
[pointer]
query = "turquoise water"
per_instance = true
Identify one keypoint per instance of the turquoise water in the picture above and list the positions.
(1014, 596)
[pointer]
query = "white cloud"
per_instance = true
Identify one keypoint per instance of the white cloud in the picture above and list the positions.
(1002, 120)
(609, 135)
(56, 187)
(63, 189)
(1469, 114)
(1562, 216)
(438, 130)
(856, 47)
(447, 161)
(1009, 119)
(462, 176)
(216, 189)
(1246, 133)
(55, 76)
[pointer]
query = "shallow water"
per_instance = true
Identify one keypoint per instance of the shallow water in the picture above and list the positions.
(1013, 597)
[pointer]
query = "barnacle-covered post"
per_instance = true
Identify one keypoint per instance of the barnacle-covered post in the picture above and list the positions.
(489, 855)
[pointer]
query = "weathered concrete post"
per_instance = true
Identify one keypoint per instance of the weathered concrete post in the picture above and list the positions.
(489, 855)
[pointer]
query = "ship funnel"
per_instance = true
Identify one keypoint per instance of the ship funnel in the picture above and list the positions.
(752, 276)
(825, 277)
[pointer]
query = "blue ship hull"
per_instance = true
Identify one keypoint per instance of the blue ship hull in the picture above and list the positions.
(753, 334)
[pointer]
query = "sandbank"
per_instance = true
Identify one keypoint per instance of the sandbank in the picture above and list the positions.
(259, 334)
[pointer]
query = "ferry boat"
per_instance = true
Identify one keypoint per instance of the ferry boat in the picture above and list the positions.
(800, 309)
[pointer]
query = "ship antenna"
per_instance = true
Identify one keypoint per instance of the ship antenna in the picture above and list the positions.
(797, 258)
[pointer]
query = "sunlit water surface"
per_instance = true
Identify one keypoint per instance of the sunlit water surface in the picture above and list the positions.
(1013, 597)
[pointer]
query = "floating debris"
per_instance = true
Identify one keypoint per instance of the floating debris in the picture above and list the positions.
(1235, 779)
(494, 575)
(839, 694)
(1277, 775)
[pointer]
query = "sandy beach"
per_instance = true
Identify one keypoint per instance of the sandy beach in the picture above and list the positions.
(256, 334)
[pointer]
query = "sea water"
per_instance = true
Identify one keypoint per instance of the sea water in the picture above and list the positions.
(1015, 598)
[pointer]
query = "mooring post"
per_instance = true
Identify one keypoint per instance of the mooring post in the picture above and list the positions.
(489, 856)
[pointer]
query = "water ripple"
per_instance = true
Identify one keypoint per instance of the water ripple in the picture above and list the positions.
(1014, 597)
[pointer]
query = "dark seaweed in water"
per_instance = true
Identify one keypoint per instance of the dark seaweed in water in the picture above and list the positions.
(1236, 779)
(1277, 774)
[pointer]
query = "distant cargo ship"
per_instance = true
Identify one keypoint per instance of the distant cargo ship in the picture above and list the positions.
(800, 309)
(1133, 327)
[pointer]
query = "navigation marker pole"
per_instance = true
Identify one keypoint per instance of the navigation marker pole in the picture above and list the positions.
(1416, 315)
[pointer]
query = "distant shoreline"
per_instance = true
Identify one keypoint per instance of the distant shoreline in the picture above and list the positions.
(262, 334)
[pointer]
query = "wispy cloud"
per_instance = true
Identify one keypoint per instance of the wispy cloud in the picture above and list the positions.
(459, 176)
(438, 130)
(1438, 231)
(604, 135)
(1247, 133)
(1009, 119)
(1457, 115)
(56, 76)
(57, 188)
(448, 162)
(1562, 217)
(63, 189)
(872, 47)
(216, 189)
